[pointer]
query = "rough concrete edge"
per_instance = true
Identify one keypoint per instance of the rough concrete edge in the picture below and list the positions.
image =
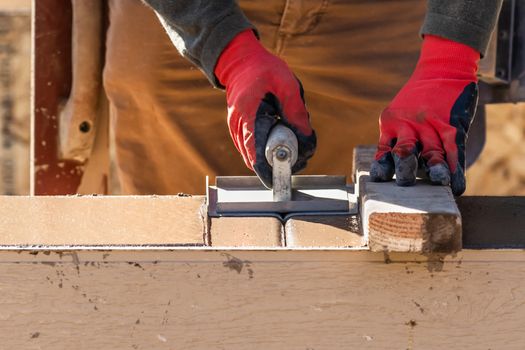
(284, 241)
(206, 223)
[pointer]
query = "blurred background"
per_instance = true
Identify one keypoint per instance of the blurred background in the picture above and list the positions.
(500, 170)
(15, 63)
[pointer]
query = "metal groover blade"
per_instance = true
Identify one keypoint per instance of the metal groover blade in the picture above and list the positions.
(247, 196)
(290, 195)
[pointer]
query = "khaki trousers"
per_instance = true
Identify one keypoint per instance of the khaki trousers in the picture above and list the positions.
(170, 124)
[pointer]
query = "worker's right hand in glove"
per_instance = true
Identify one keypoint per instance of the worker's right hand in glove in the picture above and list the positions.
(261, 91)
(430, 118)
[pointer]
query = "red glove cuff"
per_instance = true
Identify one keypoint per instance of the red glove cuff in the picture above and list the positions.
(446, 59)
(234, 56)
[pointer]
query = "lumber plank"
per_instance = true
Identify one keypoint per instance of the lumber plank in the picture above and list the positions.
(420, 218)
(101, 220)
(197, 299)
(246, 232)
(323, 232)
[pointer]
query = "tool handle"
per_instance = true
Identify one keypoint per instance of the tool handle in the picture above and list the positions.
(283, 141)
(281, 153)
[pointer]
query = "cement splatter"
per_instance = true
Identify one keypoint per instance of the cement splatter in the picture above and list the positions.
(233, 263)
(421, 309)
(238, 265)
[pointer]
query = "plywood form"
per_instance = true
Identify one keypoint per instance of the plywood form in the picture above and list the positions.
(101, 220)
(246, 232)
(196, 299)
(419, 218)
(323, 231)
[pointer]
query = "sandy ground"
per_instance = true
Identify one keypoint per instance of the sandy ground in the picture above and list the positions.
(500, 170)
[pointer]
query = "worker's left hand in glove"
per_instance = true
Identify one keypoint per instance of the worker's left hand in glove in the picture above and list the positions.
(430, 117)
(261, 91)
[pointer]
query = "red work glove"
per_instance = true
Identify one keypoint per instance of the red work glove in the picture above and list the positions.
(430, 118)
(261, 91)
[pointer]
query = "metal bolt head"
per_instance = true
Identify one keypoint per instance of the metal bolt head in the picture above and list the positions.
(281, 154)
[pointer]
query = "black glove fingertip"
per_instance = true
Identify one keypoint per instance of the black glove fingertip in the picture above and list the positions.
(439, 174)
(382, 170)
(406, 169)
(264, 172)
(458, 183)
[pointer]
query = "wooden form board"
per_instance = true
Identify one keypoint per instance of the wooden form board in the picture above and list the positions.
(134, 272)
(420, 218)
(205, 299)
(174, 221)
(102, 220)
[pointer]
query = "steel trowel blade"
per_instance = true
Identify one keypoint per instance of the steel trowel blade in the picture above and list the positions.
(246, 196)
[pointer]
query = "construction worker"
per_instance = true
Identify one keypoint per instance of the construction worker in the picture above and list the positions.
(171, 109)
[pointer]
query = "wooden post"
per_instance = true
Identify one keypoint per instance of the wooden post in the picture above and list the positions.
(70, 129)
(51, 85)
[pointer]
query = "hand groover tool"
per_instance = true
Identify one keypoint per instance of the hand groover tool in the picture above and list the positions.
(291, 195)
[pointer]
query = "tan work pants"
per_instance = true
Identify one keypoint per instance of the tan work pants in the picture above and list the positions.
(170, 125)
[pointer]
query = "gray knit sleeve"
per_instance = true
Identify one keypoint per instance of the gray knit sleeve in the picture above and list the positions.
(201, 29)
(469, 22)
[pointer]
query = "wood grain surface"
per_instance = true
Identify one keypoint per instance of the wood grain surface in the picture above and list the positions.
(197, 299)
